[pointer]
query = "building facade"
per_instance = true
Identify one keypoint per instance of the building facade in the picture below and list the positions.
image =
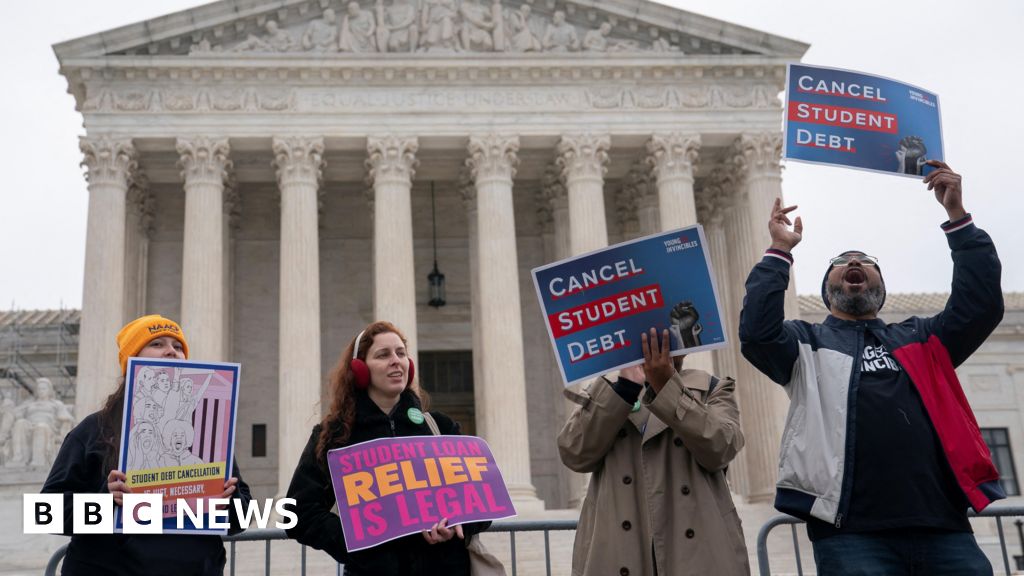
(262, 172)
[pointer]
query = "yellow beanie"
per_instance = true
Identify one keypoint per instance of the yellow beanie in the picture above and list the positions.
(137, 333)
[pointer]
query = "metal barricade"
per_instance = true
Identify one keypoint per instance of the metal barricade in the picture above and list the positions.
(996, 512)
(267, 535)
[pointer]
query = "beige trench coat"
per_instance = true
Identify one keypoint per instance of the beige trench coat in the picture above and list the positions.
(658, 479)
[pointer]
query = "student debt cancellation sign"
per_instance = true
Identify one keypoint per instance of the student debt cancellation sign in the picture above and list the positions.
(597, 305)
(860, 121)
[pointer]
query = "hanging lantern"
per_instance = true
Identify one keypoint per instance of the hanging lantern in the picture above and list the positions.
(436, 278)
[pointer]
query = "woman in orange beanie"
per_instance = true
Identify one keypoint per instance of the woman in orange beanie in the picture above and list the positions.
(87, 463)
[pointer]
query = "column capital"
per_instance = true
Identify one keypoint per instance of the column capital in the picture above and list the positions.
(758, 153)
(141, 200)
(391, 158)
(233, 202)
(467, 189)
(108, 160)
(718, 195)
(493, 156)
(299, 158)
(673, 155)
(204, 160)
(583, 156)
(551, 196)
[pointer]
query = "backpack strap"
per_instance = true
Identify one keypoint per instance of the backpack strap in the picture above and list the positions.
(431, 424)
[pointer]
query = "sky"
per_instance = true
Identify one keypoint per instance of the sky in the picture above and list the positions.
(965, 52)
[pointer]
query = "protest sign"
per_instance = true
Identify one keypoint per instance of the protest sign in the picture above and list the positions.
(860, 121)
(597, 305)
(392, 487)
(178, 435)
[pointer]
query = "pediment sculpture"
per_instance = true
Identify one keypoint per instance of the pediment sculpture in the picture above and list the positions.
(436, 26)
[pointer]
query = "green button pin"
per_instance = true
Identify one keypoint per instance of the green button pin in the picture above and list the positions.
(415, 416)
(636, 406)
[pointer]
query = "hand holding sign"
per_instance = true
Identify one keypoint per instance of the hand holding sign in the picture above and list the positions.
(657, 362)
(948, 191)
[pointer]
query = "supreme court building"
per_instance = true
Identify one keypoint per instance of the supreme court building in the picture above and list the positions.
(262, 172)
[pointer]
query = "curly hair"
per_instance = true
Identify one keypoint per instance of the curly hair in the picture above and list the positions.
(336, 426)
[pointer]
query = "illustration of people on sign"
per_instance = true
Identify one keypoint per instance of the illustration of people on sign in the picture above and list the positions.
(911, 155)
(189, 399)
(684, 324)
(144, 450)
(178, 436)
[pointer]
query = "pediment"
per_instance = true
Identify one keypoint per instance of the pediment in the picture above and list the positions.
(410, 28)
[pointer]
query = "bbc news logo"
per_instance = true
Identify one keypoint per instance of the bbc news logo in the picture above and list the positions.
(143, 513)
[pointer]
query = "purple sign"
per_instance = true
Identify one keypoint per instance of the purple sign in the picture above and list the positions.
(392, 487)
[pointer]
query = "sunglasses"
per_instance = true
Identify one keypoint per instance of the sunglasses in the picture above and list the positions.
(864, 260)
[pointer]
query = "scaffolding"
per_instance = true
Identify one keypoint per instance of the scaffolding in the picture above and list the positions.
(39, 344)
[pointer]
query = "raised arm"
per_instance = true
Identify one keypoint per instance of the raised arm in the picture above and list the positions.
(765, 338)
(975, 305)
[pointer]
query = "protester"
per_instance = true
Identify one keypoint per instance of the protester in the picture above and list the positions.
(376, 398)
(881, 453)
(658, 502)
(87, 464)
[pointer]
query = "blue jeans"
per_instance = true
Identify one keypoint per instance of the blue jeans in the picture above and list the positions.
(904, 552)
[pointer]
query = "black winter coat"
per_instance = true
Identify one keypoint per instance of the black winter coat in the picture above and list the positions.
(79, 469)
(320, 528)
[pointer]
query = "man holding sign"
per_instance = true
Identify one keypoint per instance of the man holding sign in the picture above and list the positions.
(881, 453)
(658, 502)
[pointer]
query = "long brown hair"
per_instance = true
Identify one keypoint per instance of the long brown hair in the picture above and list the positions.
(110, 416)
(336, 426)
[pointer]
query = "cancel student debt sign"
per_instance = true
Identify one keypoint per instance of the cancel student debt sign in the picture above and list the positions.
(392, 487)
(860, 121)
(597, 305)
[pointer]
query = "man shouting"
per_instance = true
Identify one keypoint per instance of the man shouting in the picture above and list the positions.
(881, 454)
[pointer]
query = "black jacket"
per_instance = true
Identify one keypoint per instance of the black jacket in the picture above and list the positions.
(320, 528)
(79, 469)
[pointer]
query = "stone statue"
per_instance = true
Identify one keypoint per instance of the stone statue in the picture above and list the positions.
(523, 39)
(322, 35)
(202, 47)
(661, 44)
(477, 26)
(275, 40)
(396, 27)
(560, 35)
(358, 30)
(39, 426)
(597, 40)
(438, 25)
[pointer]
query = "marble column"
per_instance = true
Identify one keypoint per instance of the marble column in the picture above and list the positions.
(554, 215)
(391, 165)
(138, 230)
(713, 203)
(467, 189)
(110, 163)
(493, 160)
(299, 163)
(204, 167)
(755, 163)
(672, 157)
(583, 159)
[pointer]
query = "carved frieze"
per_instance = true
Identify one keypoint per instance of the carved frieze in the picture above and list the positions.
(435, 26)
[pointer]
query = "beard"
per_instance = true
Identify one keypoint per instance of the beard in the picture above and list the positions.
(862, 304)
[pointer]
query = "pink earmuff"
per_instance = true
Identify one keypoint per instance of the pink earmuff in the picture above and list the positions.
(362, 372)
